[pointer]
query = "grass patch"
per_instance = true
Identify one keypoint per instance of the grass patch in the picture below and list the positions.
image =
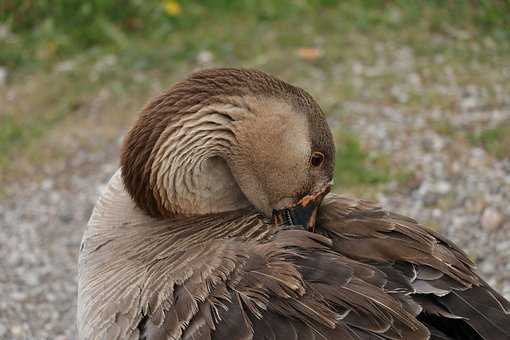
(40, 32)
(38, 105)
(17, 133)
(443, 127)
(361, 172)
(355, 166)
(496, 141)
(10, 133)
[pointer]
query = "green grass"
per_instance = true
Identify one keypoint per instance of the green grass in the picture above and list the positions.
(355, 166)
(16, 133)
(443, 127)
(496, 141)
(11, 133)
(360, 171)
(41, 32)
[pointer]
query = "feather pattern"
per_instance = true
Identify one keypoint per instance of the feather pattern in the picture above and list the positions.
(225, 274)
(453, 301)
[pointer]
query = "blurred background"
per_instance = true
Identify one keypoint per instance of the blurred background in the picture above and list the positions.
(417, 94)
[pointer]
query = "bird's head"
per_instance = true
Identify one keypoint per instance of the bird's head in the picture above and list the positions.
(225, 139)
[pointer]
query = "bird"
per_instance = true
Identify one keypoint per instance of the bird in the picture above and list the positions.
(220, 224)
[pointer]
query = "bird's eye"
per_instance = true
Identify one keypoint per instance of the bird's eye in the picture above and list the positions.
(317, 158)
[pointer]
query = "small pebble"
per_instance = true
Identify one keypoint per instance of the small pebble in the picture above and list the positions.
(16, 330)
(3, 76)
(205, 57)
(3, 330)
(491, 219)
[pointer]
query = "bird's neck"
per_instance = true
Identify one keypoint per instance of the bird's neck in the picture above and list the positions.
(190, 172)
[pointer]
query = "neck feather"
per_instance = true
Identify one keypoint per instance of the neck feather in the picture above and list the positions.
(189, 174)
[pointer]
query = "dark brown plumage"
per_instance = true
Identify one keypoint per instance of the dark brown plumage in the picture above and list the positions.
(163, 258)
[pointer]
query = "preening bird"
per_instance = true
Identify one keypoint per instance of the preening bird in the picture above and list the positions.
(219, 225)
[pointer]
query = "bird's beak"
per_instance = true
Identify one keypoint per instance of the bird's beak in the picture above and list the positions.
(304, 212)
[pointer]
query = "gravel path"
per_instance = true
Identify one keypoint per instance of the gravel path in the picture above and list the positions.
(460, 188)
(39, 239)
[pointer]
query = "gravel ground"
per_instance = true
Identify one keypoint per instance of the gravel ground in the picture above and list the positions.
(41, 231)
(459, 187)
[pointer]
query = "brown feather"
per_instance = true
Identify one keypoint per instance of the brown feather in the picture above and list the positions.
(441, 277)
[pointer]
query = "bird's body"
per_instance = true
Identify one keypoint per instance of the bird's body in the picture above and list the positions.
(188, 250)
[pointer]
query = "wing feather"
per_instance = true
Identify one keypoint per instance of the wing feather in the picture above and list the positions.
(453, 300)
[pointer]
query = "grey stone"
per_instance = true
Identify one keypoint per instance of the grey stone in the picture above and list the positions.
(491, 219)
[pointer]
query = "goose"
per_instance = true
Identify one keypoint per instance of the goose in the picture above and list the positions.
(219, 224)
